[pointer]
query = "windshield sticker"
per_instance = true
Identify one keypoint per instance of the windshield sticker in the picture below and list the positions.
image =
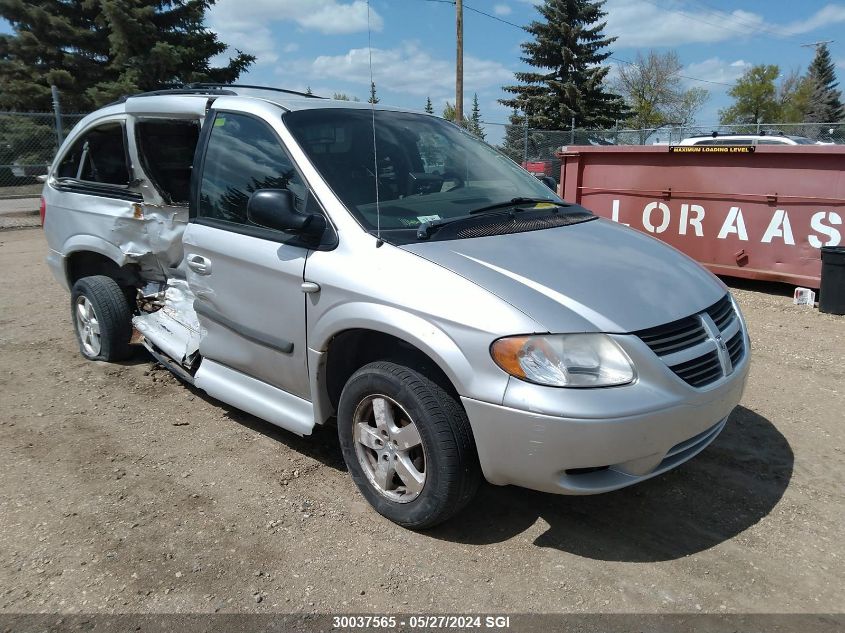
(544, 205)
(427, 218)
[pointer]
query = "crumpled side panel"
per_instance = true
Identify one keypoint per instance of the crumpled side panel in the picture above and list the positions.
(174, 329)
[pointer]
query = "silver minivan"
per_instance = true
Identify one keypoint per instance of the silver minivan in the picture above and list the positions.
(314, 261)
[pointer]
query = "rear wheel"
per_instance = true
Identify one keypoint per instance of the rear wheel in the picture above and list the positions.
(102, 318)
(407, 444)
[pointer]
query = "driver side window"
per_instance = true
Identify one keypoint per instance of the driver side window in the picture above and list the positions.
(244, 155)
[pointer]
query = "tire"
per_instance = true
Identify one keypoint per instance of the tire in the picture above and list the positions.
(102, 318)
(444, 454)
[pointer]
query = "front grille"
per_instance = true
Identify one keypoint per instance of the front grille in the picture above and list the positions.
(700, 371)
(736, 348)
(722, 313)
(674, 336)
(691, 346)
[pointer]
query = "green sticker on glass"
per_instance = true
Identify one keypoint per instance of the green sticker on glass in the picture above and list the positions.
(220, 121)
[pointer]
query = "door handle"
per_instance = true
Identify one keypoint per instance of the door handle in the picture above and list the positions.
(199, 264)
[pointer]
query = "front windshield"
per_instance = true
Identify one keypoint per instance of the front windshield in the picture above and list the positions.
(428, 169)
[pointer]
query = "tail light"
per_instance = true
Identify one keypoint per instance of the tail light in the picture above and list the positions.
(43, 210)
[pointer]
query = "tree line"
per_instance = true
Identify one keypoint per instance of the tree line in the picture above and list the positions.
(95, 52)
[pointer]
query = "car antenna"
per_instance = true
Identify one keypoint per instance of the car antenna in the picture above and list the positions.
(379, 241)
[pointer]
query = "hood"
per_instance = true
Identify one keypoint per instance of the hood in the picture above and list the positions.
(596, 276)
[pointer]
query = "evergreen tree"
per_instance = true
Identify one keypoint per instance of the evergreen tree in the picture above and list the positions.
(428, 107)
(373, 98)
(567, 50)
(97, 51)
(825, 101)
(308, 90)
(513, 145)
(474, 123)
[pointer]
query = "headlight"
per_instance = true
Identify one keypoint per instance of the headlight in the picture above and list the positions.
(564, 360)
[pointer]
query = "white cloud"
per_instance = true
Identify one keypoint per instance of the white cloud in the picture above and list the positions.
(410, 69)
(246, 25)
(642, 23)
(502, 9)
(290, 48)
(826, 16)
(716, 69)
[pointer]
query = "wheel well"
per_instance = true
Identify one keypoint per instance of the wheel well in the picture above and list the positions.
(86, 263)
(350, 350)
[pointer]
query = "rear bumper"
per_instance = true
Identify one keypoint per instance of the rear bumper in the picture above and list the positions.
(56, 263)
(589, 455)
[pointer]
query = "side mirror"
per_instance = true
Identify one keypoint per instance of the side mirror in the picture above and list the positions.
(549, 182)
(275, 209)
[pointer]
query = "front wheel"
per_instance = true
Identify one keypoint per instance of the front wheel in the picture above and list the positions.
(407, 444)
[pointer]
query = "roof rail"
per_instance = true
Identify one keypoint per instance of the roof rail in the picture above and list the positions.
(176, 91)
(251, 87)
(211, 89)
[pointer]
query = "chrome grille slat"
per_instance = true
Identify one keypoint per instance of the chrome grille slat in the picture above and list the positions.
(690, 346)
(688, 354)
(722, 313)
(736, 348)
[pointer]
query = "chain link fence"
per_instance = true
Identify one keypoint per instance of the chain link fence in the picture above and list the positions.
(28, 143)
(535, 149)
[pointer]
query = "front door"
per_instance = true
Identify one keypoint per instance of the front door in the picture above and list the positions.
(247, 279)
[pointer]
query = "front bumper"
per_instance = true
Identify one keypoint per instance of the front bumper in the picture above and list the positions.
(597, 451)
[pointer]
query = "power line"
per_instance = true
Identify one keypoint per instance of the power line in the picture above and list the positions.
(707, 81)
(494, 17)
(741, 21)
(614, 58)
(696, 18)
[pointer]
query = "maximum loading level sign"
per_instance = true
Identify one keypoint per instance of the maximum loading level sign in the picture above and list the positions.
(711, 149)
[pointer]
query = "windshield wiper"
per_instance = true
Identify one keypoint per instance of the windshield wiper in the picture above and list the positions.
(516, 201)
(426, 229)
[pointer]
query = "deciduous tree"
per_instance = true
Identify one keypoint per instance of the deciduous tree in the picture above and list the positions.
(655, 94)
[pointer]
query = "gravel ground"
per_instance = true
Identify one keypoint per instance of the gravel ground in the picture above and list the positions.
(122, 490)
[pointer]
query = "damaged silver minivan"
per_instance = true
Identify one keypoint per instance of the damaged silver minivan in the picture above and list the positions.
(313, 261)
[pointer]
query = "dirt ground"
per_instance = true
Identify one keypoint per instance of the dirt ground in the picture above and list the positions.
(123, 490)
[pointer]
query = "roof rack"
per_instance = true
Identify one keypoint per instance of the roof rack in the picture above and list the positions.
(175, 91)
(210, 89)
(251, 87)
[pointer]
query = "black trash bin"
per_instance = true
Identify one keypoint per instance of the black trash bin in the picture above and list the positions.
(832, 290)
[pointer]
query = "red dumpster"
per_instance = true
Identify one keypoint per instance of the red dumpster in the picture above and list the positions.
(540, 167)
(760, 213)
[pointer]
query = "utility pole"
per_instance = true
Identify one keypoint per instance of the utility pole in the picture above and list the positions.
(459, 62)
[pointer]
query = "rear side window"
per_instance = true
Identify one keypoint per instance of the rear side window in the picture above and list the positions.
(166, 149)
(244, 155)
(98, 156)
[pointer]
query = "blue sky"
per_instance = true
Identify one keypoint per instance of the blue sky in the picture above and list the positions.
(323, 43)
